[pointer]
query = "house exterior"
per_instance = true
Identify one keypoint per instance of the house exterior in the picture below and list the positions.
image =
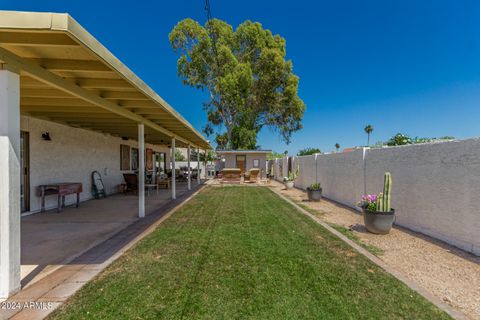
(69, 107)
(243, 159)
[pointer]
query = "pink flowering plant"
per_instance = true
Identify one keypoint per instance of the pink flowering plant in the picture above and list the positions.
(369, 202)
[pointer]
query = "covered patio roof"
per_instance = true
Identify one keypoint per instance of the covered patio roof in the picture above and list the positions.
(68, 77)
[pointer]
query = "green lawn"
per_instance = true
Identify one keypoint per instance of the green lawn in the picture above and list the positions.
(238, 253)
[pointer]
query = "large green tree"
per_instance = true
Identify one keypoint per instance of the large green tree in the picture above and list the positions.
(250, 82)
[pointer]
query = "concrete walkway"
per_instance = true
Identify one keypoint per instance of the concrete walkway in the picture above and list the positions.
(448, 273)
(51, 239)
(61, 252)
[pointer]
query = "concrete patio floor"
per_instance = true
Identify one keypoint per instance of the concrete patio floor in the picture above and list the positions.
(50, 239)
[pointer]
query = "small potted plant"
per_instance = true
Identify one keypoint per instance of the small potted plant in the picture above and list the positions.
(289, 181)
(378, 215)
(314, 192)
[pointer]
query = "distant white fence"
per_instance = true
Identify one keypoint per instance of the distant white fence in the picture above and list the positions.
(436, 187)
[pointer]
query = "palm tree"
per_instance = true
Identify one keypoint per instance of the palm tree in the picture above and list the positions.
(368, 130)
(337, 146)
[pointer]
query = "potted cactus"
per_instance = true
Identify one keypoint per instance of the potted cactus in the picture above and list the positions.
(290, 179)
(314, 192)
(378, 215)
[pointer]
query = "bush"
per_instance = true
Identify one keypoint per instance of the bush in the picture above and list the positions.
(308, 151)
(399, 140)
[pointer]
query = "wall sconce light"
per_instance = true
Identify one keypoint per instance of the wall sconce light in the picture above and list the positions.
(46, 136)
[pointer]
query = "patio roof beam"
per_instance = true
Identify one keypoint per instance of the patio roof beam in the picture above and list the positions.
(105, 116)
(37, 39)
(113, 121)
(62, 84)
(52, 102)
(61, 109)
(71, 65)
(43, 93)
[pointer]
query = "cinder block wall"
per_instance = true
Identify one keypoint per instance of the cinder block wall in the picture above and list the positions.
(436, 187)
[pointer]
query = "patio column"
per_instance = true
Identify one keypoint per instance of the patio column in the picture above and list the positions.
(9, 182)
(189, 171)
(174, 191)
(205, 163)
(141, 170)
(198, 165)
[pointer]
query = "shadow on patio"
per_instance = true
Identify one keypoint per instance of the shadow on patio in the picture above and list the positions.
(51, 240)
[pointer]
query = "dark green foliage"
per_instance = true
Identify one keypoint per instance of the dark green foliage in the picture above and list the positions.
(250, 82)
(308, 151)
(179, 155)
(274, 155)
(399, 139)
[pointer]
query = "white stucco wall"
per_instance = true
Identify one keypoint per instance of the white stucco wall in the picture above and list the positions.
(341, 176)
(71, 156)
(436, 187)
(435, 190)
(305, 176)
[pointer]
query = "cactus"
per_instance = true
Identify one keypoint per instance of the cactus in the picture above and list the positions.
(383, 201)
(380, 202)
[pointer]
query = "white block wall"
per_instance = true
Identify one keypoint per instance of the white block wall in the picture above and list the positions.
(436, 187)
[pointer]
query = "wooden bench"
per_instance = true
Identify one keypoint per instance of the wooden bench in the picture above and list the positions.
(231, 175)
(61, 190)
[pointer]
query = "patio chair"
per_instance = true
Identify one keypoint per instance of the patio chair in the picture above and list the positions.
(131, 180)
(252, 175)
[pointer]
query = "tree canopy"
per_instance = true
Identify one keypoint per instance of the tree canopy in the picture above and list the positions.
(250, 82)
(274, 155)
(179, 155)
(308, 151)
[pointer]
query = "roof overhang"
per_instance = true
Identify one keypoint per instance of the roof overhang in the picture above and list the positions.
(67, 76)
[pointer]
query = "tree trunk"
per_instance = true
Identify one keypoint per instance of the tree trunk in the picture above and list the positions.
(229, 137)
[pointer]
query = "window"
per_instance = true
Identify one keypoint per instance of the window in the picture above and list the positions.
(256, 163)
(124, 157)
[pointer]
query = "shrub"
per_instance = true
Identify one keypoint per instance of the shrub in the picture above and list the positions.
(308, 151)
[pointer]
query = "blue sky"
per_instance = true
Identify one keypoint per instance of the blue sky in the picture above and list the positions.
(403, 66)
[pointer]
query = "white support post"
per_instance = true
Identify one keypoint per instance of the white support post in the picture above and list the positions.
(189, 170)
(141, 170)
(205, 164)
(198, 165)
(9, 182)
(174, 191)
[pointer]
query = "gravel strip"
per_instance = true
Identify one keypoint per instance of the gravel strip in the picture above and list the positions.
(445, 271)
